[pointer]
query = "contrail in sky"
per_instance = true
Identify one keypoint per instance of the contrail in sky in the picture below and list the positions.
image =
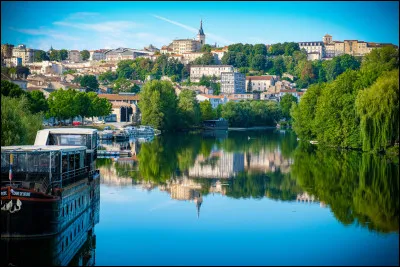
(194, 30)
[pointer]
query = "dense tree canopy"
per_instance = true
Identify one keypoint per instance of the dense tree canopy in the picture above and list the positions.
(344, 113)
(89, 82)
(85, 54)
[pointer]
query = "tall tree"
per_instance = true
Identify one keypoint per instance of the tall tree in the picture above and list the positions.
(158, 105)
(206, 110)
(89, 82)
(378, 107)
(63, 54)
(188, 108)
(85, 54)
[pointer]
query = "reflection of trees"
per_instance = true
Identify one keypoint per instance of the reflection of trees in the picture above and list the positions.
(274, 185)
(362, 188)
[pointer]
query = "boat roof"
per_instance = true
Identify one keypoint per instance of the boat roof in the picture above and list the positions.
(43, 135)
(70, 130)
(32, 148)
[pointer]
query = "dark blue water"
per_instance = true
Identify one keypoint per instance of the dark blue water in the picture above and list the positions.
(235, 200)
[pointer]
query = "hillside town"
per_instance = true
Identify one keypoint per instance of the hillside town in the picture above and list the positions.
(47, 71)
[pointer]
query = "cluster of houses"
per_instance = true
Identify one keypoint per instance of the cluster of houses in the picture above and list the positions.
(47, 76)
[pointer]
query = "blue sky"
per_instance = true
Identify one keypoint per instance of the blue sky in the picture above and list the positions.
(95, 25)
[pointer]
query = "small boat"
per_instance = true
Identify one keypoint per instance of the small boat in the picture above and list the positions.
(220, 124)
(106, 135)
(314, 142)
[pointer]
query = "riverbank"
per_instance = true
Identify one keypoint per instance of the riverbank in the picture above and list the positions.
(251, 128)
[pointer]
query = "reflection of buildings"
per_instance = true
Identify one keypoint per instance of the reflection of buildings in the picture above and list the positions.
(267, 161)
(219, 164)
(109, 176)
(305, 198)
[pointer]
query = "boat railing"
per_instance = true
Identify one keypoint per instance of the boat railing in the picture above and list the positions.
(73, 175)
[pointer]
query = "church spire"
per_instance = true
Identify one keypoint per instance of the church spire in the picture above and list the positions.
(201, 32)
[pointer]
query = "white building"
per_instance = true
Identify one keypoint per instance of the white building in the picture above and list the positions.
(97, 55)
(233, 83)
(26, 54)
(260, 83)
(310, 47)
(228, 165)
(197, 71)
(13, 62)
(215, 100)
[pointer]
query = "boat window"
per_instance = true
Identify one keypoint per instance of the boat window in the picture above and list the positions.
(65, 163)
(69, 139)
(82, 159)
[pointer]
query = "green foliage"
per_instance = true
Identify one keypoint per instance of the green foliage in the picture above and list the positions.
(206, 110)
(158, 105)
(22, 72)
(38, 102)
(89, 82)
(54, 55)
(378, 107)
(205, 48)
(331, 114)
(85, 54)
(107, 77)
(63, 54)
(71, 71)
(251, 113)
(18, 125)
(11, 89)
(189, 109)
(40, 56)
(206, 59)
(125, 85)
(361, 188)
(286, 104)
(66, 104)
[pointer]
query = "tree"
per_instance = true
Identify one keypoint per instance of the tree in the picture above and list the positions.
(82, 104)
(206, 59)
(158, 105)
(63, 55)
(286, 104)
(258, 62)
(189, 109)
(249, 86)
(240, 60)
(228, 58)
(124, 85)
(85, 54)
(206, 110)
(108, 76)
(22, 72)
(260, 49)
(290, 48)
(89, 82)
(205, 48)
(40, 56)
(279, 66)
(378, 107)
(125, 70)
(54, 55)
(38, 102)
(18, 125)
(61, 104)
(11, 89)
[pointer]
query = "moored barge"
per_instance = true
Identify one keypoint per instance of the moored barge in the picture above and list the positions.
(46, 186)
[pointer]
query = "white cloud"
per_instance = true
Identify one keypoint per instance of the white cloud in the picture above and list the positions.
(46, 32)
(212, 36)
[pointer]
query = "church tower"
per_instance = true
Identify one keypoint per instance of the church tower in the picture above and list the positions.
(201, 37)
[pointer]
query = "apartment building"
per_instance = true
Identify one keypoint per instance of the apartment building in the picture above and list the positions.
(233, 83)
(197, 71)
(26, 54)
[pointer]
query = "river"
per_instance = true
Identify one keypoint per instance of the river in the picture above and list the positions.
(245, 198)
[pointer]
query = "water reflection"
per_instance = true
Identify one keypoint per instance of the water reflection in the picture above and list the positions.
(358, 188)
